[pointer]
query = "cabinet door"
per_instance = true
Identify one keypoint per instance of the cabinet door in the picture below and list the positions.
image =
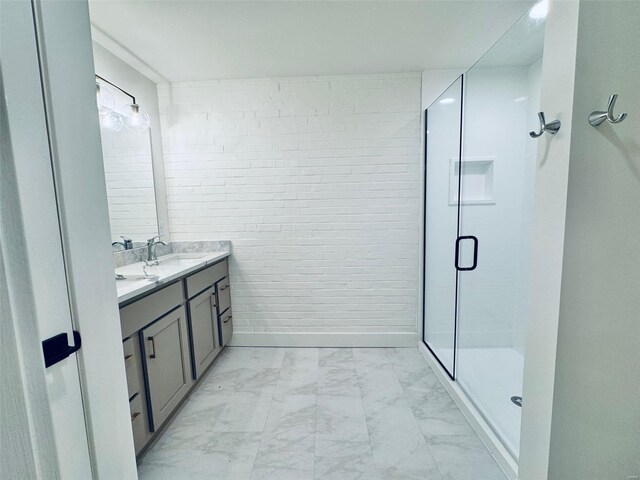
(204, 330)
(167, 364)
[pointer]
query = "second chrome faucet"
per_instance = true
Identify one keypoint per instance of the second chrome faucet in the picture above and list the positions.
(151, 248)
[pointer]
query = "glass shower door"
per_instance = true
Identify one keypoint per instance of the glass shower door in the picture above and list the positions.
(443, 121)
(501, 101)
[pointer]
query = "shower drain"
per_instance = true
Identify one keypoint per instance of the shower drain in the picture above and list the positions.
(517, 400)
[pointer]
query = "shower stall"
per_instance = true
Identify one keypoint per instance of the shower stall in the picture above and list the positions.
(480, 163)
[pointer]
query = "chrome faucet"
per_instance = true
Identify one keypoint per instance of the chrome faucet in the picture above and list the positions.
(126, 243)
(151, 248)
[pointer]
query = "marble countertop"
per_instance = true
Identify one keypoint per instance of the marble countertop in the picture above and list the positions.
(138, 278)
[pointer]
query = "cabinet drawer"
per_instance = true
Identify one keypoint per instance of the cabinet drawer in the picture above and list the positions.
(224, 294)
(137, 423)
(130, 365)
(226, 326)
(140, 313)
(206, 278)
(168, 365)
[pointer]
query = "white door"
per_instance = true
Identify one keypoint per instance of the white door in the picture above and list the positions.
(43, 280)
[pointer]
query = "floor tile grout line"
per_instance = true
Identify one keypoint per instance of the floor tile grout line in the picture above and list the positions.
(365, 420)
(262, 433)
(472, 433)
(403, 366)
(404, 394)
(315, 427)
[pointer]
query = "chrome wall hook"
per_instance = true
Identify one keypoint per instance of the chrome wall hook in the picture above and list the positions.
(551, 127)
(596, 118)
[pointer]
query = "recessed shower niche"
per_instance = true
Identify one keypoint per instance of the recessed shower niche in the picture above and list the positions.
(477, 178)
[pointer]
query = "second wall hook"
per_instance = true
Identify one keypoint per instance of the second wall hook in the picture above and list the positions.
(598, 117)
(551, 127)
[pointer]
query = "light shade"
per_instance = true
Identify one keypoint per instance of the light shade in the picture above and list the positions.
(104, 100)
(136, 117)
(112, 121)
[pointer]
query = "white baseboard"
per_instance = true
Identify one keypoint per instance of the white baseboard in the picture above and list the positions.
(508, 464)
(322, 339)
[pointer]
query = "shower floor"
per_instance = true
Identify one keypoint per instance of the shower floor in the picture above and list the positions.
(490, 377)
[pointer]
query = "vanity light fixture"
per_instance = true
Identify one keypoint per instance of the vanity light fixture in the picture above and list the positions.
(137, 118)
(134, 116)
(539, 10)
(112, 121)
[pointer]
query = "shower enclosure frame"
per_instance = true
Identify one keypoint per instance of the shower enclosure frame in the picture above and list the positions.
(472, 411)
(451, 374)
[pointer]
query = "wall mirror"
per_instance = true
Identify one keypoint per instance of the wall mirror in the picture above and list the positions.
(128, 167)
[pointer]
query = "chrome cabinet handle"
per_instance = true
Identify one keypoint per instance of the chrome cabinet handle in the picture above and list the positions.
(228, 318)
(224, 288)
(134, 416)
(153, 344)
(598, 117)
(551, 127)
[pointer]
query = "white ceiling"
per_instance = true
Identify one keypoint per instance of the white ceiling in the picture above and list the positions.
(197, 40)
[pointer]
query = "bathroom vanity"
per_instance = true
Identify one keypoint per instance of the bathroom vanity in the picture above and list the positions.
(176, 318)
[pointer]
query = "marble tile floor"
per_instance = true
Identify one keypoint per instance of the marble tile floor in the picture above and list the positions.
(319, 413)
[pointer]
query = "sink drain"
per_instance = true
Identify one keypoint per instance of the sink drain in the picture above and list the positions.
(517, 400)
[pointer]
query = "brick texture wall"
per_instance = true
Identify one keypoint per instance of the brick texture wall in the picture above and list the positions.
(316, 182)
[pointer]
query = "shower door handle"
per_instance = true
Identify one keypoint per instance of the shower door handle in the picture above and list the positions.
(475, 253)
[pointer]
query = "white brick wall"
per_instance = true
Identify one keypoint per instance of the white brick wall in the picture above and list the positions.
(316, 182)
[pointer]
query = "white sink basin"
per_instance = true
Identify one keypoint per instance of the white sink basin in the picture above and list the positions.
(180, 259)
(139, 277)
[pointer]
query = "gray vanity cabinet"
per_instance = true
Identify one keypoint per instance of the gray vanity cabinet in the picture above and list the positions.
(170, 338)
(204, 330)
(166, 355)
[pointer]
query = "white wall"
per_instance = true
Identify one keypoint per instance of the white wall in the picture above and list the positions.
(503, 271)
(115, 70)
(492, 298)
(528, 193)
(547, 237)
(595, 433)
(316, 182)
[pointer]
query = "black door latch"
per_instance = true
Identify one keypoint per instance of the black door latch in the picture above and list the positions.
(57, 348)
